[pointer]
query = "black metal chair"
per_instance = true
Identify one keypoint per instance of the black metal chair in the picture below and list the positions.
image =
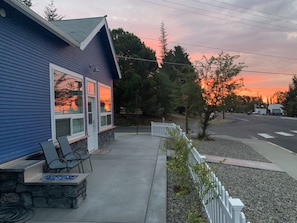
(70, 155)
(52, 158)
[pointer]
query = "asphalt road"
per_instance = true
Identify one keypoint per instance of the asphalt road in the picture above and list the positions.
(281, 131)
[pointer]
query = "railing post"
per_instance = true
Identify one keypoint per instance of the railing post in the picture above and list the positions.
(152, 128)
(236, 206)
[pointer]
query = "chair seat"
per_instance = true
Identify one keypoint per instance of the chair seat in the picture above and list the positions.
(52, 158)
(71, 155)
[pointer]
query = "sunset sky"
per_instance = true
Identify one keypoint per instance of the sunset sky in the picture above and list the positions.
(262, 32)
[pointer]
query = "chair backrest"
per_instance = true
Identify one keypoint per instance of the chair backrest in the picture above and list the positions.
(49, 151)
(64, 144)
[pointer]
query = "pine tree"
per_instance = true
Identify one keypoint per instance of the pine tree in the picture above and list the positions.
(163, 41)
(26, 2)
(50, 12)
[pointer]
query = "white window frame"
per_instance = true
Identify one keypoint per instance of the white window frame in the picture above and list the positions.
(54, 116)
(95, 96)
(104, 114)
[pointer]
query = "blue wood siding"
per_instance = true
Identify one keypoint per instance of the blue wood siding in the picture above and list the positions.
(26, 52)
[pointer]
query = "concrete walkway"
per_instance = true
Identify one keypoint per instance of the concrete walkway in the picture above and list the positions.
(128, 184)
(243, 163)
(284, 159)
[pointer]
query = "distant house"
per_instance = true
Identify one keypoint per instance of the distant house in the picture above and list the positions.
(56, 78)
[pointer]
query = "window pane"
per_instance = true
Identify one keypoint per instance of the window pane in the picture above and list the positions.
(103, 120)
(105, 99)
(63, 127)
(68, 94)
(91, 88)
(90, 118)
(78, 125)
(108, 119)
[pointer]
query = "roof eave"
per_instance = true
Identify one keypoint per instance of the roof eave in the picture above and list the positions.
(44, 23)
(112, 50)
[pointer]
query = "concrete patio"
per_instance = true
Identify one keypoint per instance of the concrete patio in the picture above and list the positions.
(128, 184)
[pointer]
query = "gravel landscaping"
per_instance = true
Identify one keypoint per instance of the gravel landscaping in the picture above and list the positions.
(268, 196)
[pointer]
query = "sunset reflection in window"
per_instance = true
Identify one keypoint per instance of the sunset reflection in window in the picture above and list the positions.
(105, 99)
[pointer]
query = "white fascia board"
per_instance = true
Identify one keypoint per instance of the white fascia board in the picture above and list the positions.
(94, 32)
(102, 24)
(112, 49)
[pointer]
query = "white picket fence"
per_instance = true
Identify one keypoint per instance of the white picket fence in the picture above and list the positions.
(220, 207)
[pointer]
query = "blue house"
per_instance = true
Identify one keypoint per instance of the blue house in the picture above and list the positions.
(56, 79)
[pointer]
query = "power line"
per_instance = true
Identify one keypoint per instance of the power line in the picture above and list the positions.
(266, 72)
(217, 48)
(246, 8)
(283, 29)
(182, 64)
(229, 50)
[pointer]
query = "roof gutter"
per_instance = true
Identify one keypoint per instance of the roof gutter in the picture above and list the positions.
(44, 23)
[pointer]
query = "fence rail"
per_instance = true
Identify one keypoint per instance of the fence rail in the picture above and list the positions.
(220, 207)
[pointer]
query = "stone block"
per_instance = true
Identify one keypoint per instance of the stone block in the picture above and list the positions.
(62, 202)
(53, 190)
(8, 176)
(26, 199)
(70, 191)
(9, 198)
(21, 188)
(8, 186)
(78, 201)
(40, 202)
(38, 191)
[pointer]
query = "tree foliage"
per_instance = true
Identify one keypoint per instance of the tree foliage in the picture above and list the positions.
(278, 97)
(217, 78)
(163, 41)
(137, 88)
(26, 2)
(181, 73)
(290, 104)
(50, 12)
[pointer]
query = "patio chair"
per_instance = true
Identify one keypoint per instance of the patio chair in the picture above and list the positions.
(52, 159)
(70, 155)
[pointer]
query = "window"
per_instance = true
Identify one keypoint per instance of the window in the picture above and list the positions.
(105, 106)
(91, 88)
(68, 103)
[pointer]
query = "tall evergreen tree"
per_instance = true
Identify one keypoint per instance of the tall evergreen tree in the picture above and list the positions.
(50, 12)
(185, 92)
(163, 41)
(137, 88)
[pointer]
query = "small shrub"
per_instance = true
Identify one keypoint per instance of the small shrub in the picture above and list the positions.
(178, 162)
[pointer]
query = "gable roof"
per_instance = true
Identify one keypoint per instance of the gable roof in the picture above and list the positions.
(81, 30)
(76, 32)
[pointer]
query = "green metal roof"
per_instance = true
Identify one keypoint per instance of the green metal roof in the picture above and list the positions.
(80, 29)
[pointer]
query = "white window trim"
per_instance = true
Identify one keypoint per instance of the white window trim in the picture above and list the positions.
(96, 88)
(54, 67)
(95, 96)
(102, 128)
